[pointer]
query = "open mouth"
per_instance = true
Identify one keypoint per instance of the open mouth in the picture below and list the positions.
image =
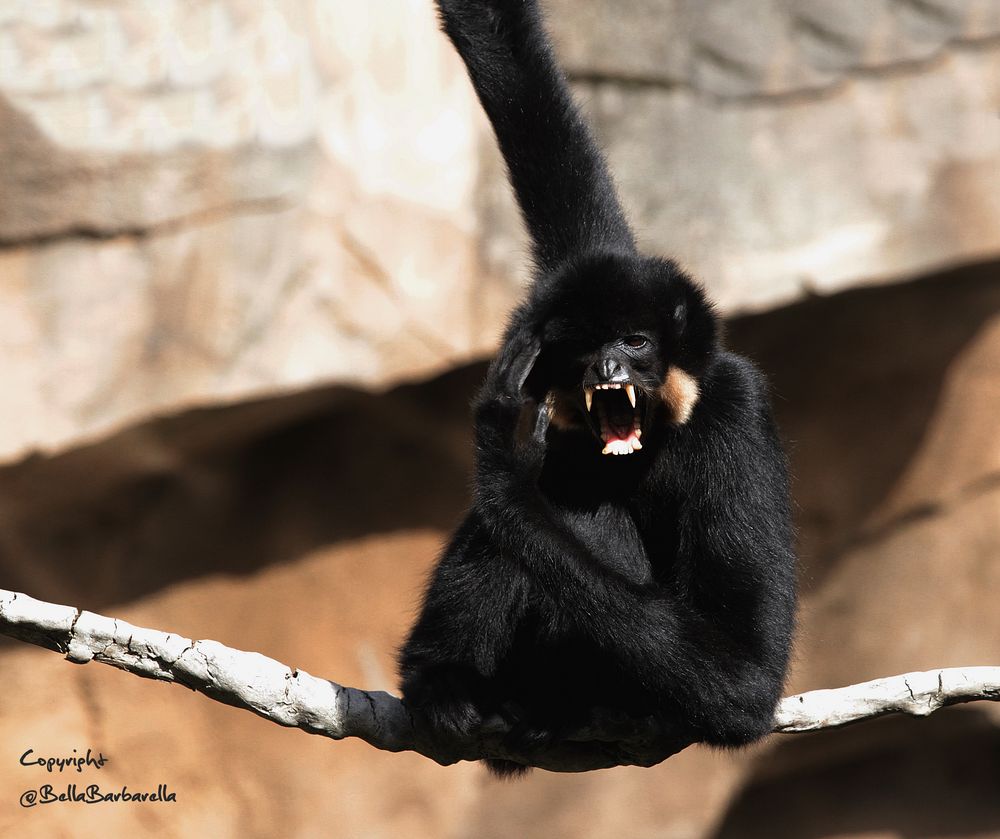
(615, 409)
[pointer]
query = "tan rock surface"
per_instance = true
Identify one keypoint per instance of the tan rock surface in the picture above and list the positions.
(266, 526)
(205, 202)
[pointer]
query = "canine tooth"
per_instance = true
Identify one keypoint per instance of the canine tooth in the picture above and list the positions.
(588, 396)
(636, 445)
(630, 392)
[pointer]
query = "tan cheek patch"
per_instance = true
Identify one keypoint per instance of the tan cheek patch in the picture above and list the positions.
(679, 393)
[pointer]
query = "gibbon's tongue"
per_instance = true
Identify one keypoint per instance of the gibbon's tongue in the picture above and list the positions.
(619, 420)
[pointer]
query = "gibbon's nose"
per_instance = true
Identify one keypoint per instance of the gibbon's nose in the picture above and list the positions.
(609, 371)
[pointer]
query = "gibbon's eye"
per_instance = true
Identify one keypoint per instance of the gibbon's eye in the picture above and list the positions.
(636, 342)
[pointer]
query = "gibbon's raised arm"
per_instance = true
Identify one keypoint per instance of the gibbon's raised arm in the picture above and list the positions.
(566, 195)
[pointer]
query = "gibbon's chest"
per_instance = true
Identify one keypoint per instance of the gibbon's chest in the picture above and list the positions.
(610, 534)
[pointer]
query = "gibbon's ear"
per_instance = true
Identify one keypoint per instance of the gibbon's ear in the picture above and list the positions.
(561, 180)
(679, 393)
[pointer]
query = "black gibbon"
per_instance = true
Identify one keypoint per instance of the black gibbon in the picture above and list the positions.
(629, 541)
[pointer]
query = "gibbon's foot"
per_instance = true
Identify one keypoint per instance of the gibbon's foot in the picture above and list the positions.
(526, 737)
(445, 703)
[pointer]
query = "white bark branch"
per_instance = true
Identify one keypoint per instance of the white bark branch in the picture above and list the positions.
(292, 697)
(917, 694)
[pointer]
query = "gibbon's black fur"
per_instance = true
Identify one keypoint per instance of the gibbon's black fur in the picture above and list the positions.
(638, 557)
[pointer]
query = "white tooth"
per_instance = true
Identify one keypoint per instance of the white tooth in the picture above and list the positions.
(588, 395)
(621, 447)
(630, 392)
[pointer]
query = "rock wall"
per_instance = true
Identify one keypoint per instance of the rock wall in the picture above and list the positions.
(210, 201)
(266, 526)
(783, 148)
(228, 232)
(207, 201)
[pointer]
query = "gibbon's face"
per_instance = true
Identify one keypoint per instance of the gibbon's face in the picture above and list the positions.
(618, 391)
(608, 382)
(620, 349)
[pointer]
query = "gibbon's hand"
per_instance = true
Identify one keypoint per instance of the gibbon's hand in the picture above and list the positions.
(513, 364)
(489, 16)
(509, 422)
(529, 438)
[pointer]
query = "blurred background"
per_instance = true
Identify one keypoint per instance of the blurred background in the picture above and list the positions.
(253, 254)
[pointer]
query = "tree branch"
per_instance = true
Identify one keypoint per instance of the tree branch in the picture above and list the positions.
(292, 697)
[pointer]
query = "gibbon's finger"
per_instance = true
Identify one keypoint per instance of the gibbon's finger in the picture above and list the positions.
(514, 363)
(543, 417)
(524, 363)
(525, 432)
